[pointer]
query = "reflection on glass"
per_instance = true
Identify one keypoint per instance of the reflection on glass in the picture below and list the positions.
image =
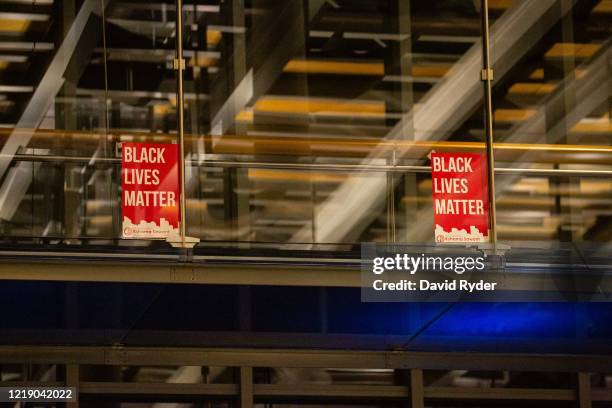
(47, 108)
(325, 83)
(553, 88)
(297, 111)
(76, 78)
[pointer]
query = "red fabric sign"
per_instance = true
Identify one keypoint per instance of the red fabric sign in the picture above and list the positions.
(460, 197)
(150, 190)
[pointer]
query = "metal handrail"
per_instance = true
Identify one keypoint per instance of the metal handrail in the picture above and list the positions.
(315, 166)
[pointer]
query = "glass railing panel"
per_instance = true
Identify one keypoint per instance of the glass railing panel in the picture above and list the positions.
(536, 202)
(342, 83)
(52, 90)
(538, 207)
(552, 93)
(322, 142)
(82, 77)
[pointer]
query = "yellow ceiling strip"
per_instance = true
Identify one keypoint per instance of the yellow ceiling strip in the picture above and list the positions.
(213, 37)
(537, 74)
(318, 106)
(244, 116)
(530, 88)
(500, 4)
(430, 71)
(513, 115)
(603, 7)
(13, 26)
(592, 127)
(560, 50)
(202, 61)
(284, 175)
(162, 109)
(303, 66)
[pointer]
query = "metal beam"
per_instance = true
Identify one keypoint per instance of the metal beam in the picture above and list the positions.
(246, 387)
(252, 271)
(314, 392)
(417, 395)
(342, 167)
(601, 394)
(73, 380)
(288, 392)
(158, 389)
(515, 394)
(287, 358)
(182, 273)
(584, 390)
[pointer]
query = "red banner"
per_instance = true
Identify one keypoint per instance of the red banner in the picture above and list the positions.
(460, 197)
(150, 190)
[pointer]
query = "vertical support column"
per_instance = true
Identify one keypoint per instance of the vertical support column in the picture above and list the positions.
(236, 181)
(238, 61)
(72, 380)
(180, 67)
(246, 387)
(236, 195)
(244, 306)
(64, 194)
(402, 103)
(71, 309)
(391, 224)
(584, 390)
(487, 77)
(238, 43)
(417, 394)
(111, 176)
(557, 114)
(323, 309)
(65, 117)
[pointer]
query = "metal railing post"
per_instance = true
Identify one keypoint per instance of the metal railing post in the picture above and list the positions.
(179, 66)
(487, 77)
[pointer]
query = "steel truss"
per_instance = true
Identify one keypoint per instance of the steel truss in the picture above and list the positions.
(75, 359)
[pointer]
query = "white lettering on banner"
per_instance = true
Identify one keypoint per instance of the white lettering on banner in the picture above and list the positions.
(141, 176)
(149, 198)
(153, 155)
(452, 186)
(467, 207)
(454, 164)
(459, 192)
(149, 190)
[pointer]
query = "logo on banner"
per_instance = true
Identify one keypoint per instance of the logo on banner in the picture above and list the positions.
(460, 197)
(150, 190)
